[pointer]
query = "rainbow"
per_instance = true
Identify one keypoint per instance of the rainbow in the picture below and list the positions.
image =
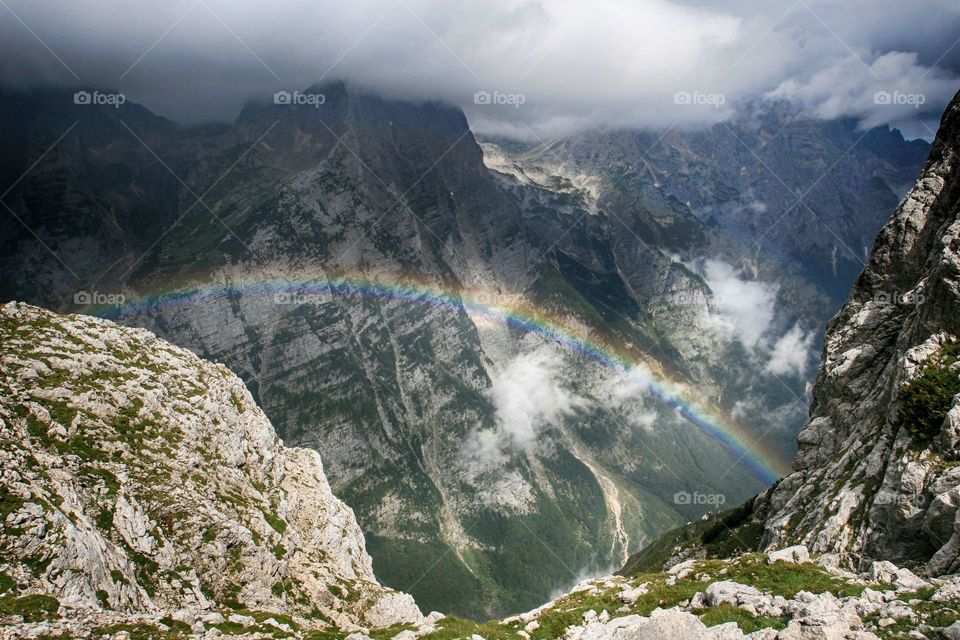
(741, 443)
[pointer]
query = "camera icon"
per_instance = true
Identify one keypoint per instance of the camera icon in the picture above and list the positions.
(282, 97)
(682, 97)
(482, 97)
(882, 297)
(882, 97)
(81, 97)
(82, 297)
(682, 497)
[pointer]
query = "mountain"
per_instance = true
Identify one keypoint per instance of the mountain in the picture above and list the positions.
(876, 475)
(144, 495)
(395, 303)
(142, 486)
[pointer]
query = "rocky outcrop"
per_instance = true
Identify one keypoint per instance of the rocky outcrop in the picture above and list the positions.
(877, 473)
(140, 482)
(770, 596)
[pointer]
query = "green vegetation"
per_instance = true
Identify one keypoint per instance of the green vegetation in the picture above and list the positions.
(926, 399)
(275, 521)
(142, 631)
(176, 625)
(747, 622)
(720, 535)
(786, 578)
(456, 628)
(33, 608)
(9, 503)
(7, 584)
(237, 404)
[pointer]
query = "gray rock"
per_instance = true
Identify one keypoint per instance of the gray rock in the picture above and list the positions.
(858, 491)
(796, 554)
(192, 428)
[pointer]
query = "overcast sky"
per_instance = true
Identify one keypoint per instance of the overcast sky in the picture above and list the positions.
(554, 65)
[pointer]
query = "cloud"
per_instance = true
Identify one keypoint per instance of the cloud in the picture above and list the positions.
(744, 308)
(791, 354)
(527, 395)
(894, 89)
(576, 64)
(628, 395)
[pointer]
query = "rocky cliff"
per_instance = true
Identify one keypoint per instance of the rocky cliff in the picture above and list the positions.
(877, 472)
(141, 484)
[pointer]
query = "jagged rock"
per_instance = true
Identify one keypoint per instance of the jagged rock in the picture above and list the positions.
(246, 621)
(630, 596)
(866, 487)
(952, 632)
(172, 493)
(948, 592)
(662, 624)
(796, 554)
(728, 592)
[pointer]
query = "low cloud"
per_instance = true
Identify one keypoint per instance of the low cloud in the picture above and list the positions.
(791, 354)
(548, 67)
(895, 88)
(629, 396)
(528, 395)
(744, 307)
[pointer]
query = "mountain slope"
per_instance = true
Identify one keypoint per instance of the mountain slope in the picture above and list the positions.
(373, 283)
(138, 478)
(876, 472)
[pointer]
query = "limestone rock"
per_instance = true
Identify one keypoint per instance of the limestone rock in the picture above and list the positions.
(867, 486)
(170, 493)
(796, 554)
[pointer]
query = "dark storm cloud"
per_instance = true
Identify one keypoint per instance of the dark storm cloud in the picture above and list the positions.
(544, 67)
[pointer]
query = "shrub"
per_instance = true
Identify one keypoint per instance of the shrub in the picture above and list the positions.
(927, 398)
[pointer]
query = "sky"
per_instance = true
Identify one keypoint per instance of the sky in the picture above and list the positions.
(517, 67)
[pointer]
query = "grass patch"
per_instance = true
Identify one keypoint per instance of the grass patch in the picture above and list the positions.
(747, 622)
(926, 399)
(278, 524)
(451, 628)
(7, 584)
(787, 579)
(33, 608)
(720, 535)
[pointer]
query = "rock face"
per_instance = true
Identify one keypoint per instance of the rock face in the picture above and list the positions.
(756, 596)
(138, 479)
(877, 473)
